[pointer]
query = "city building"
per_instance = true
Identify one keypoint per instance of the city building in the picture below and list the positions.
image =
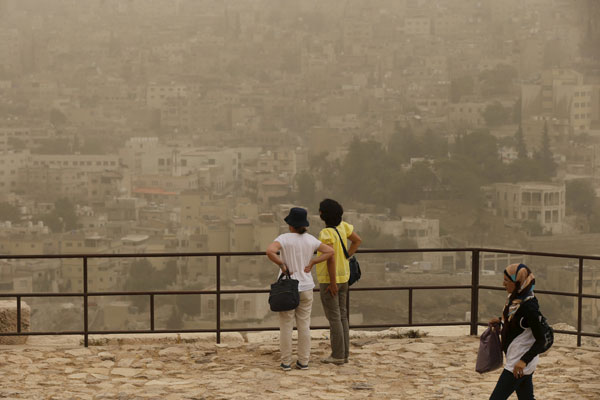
(543, 203)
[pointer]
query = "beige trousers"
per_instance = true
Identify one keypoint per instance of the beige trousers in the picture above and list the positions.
(286, 326)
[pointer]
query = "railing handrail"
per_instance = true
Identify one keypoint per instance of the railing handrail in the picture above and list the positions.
(258, 253)
(474, 287)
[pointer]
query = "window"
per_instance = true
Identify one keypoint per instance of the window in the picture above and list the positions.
(548, 217)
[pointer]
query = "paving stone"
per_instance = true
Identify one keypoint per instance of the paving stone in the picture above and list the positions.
(379, 368)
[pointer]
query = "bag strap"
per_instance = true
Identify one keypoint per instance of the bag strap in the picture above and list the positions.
(341, 241)
(284, 275)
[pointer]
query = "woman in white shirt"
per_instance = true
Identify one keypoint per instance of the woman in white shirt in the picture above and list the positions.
(296, 253)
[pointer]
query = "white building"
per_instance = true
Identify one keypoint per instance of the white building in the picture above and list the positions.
(10, 163)
(531, 201)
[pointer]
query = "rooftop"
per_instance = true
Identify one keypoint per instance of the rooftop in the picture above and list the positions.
(382, 366)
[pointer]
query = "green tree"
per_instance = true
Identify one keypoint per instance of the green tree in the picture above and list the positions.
(479, 151)
(419, 181)
(57, 117)
(520, 142)
(361, 171)
(516, 111)
(16, 143)
(65, 210)
(433, 145)
(545, 157)
(495, 114)
(581, 196)
(460, 180)
(306, 187)
(461, 86)
(54, 146)
(8, 212)
(533, 227)
(175, 320)
(497, 81)
(62, 218)
(403, 145)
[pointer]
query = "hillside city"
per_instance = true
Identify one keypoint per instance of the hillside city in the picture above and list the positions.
(175, 126)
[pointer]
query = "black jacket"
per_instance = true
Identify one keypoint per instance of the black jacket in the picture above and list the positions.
(527, 316)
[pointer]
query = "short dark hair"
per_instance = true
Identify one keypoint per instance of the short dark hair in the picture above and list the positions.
(300, 229)
(331, 212)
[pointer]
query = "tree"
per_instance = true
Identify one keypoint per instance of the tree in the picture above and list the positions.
(496, 114)
(520, 141)
(65, 210)
(581, 196)
(17, 144)
(516, 111)
(533, 227)
(497, 81)
(478, 150)
(461, 86)
(404, 145)
(54, 146)
(461, 180)
(306, 187)
(57, 117)
(545, 156)
(8, 212)
(363, 165)
(175, 320)
(435, 146)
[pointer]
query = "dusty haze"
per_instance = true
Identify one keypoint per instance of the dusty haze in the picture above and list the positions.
(193, 126)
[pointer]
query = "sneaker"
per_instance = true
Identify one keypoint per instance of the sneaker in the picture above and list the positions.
(285, 367)
(300, 366)
(331, 360)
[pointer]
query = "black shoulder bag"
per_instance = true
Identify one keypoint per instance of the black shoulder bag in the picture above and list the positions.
(352, 261)
(284, 294)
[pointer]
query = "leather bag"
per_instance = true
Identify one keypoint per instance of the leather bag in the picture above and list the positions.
(352, 261)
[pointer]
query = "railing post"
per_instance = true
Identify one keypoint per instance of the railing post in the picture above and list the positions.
(410, 304)
(218, 299)
(579, 301)
(85, 302)
(474, 291)
(18, 314)
(151, 312)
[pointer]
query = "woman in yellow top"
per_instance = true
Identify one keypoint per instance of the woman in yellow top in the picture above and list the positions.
(333, 278)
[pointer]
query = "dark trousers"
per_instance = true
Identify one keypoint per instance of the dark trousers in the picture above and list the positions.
(507, 384)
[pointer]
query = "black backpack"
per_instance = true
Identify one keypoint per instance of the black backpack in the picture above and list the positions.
(548, 333)
(284, 294)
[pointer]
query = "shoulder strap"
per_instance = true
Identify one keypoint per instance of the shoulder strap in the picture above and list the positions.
(341, 241)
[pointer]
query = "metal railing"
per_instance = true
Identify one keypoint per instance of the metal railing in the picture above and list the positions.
(474, 287)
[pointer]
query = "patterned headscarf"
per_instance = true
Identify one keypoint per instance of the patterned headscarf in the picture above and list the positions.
(524, 282)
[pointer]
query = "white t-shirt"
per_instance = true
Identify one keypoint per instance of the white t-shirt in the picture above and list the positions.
(296, 252)
(519, 346)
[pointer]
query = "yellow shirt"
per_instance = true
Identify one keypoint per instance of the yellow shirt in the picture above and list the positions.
(342, 268)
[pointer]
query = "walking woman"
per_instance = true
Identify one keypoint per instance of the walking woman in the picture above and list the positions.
(333, 278)
(522, 334)
(297, 248)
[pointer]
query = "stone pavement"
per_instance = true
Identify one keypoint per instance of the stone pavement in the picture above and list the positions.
(246, 367)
